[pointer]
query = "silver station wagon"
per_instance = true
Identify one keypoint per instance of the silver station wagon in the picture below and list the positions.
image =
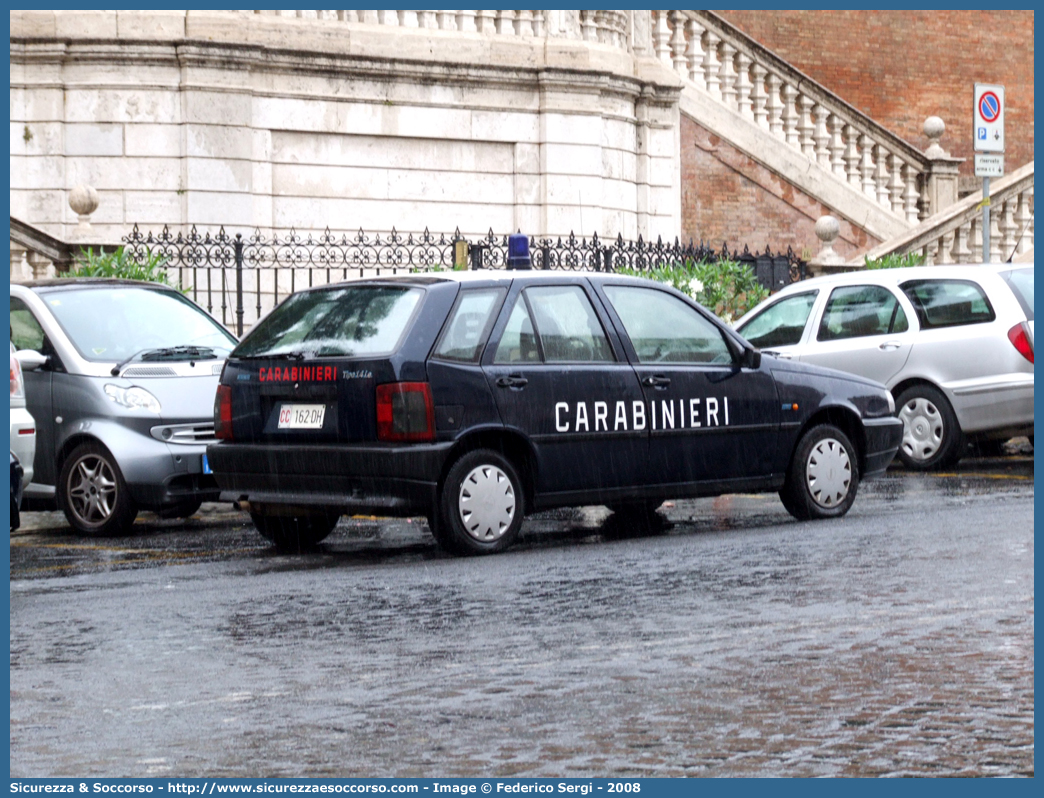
(954, 344)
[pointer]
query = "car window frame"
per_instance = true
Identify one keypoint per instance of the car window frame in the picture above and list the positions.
(487, 332)
(407, 328)
(897, 294)
(967, 280)
(813, 313)
(729, 336)
(518, 287)
(48, 349)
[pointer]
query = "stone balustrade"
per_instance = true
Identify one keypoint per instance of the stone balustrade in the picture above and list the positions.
(605, 27)
(736, 71)
(955, 235)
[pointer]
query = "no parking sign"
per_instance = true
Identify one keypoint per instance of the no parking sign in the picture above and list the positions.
(988, 118)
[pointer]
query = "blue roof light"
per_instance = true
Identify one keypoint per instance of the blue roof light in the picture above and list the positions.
(518, 252)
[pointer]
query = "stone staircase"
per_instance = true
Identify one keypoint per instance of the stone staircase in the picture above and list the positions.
(903, 197)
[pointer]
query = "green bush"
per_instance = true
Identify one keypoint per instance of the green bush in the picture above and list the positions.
(895, 260)
(726, 287)
(122, 264)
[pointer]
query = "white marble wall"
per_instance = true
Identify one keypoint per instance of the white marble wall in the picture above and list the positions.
(223, 118)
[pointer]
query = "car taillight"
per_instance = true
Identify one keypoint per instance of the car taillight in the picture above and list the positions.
(405, 412)
(17, 385)
(1020, 340)
(223, 413)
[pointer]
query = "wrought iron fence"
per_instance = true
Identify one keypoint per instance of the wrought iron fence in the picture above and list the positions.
(231, 275)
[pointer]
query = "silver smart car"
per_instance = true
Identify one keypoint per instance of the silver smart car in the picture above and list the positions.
(120, 377)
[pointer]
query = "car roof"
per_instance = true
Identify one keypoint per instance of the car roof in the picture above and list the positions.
(481, 276)
(60, 283)
(892, 276)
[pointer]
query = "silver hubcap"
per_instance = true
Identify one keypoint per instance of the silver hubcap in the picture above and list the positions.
(922, 428)
(92, 490)
(486, 503)
(828, 473)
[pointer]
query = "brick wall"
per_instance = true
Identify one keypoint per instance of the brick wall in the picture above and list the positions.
(728, 197)
(900, 67)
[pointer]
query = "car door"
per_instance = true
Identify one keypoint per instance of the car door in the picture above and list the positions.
(26, 333)
(710, 419)
(863, 329)
(561, 380)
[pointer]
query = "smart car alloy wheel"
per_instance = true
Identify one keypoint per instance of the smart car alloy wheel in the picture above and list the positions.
(94, 495)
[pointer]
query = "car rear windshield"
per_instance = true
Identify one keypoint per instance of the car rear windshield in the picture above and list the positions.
(1021, 282)
(948, 303)
(111, 324)
(348, 321)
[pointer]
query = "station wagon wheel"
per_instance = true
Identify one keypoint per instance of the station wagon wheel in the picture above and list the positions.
(932, 437)
(481, 504)
(823, 476)
(93, 494)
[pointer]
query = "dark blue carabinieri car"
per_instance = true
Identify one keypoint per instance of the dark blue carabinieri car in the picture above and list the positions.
(474, 398)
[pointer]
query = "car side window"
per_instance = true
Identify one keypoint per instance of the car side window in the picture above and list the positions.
(948, 303)
(856, 311)
(469, 325)
(567, 325)
(664, 329)
(780, 324)
(518, 344)
(26, 332)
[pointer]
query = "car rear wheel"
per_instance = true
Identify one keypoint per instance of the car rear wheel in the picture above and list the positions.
(823, 476)
(481, 505)
(292, 529)
(931, 435)
(93, 493)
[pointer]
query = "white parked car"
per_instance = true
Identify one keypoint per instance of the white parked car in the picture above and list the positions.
(954, 344)
(23, 427)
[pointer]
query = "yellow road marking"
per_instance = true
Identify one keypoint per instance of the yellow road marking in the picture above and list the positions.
(981, 476)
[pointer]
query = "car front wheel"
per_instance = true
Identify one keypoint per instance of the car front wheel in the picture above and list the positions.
(481, 504)
(932, 437)
(93, 493)
(294, 530)
(823, 476)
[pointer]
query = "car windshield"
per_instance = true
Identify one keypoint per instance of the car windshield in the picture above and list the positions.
(1021, 282)
(350, 321)
(113, 323)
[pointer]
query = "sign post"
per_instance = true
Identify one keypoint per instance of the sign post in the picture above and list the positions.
(988, 135)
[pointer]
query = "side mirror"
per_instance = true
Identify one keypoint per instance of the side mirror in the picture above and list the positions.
(752, 358)
(31, 360)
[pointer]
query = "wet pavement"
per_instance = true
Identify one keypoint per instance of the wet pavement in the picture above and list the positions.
(733, 641)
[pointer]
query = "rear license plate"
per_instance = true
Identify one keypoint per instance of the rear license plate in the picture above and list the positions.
(206, 466)
(301, 416)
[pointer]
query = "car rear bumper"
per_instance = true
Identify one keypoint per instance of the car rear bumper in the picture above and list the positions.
(391, 480)
(995, 404)
(883, 437)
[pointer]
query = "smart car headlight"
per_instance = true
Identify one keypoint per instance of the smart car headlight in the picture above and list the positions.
(134, 398)
(891, 403)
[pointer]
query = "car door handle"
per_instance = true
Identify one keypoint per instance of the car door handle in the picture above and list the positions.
(660, 383)
(512, 381)
(890, 346)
